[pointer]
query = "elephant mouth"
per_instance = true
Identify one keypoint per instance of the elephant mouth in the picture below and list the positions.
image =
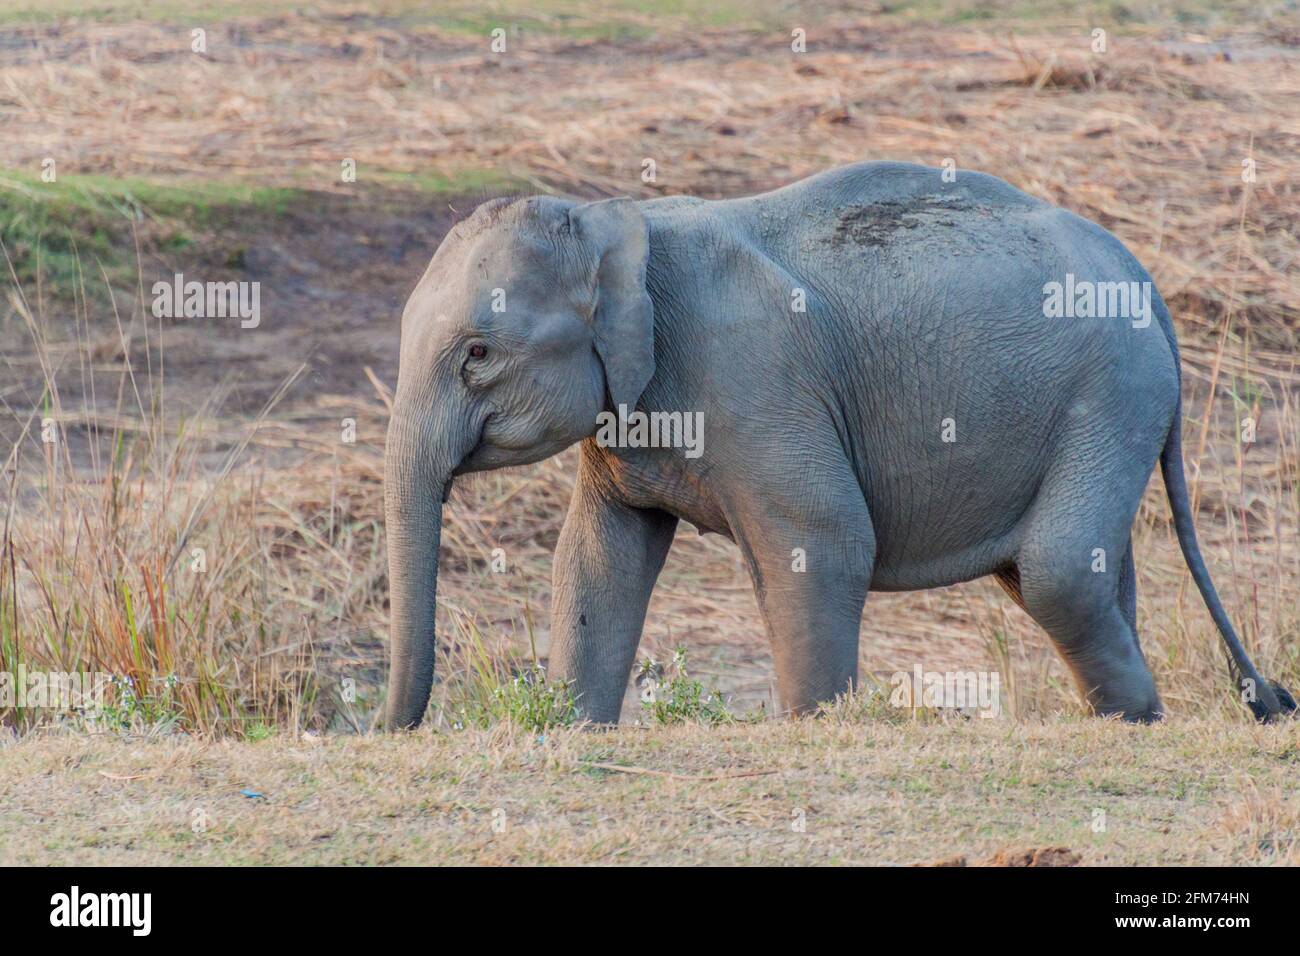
(471, 461)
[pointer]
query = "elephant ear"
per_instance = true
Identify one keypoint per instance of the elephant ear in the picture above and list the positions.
(616, 235)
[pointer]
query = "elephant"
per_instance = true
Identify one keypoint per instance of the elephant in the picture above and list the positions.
(902, 385)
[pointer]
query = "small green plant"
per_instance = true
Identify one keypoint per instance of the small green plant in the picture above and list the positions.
(133, 712)
(531, 701)
(679, 698)
(260, 731)
(499, 689)
(527, 700)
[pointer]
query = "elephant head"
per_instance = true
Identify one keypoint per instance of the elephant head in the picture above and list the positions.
(532, 318)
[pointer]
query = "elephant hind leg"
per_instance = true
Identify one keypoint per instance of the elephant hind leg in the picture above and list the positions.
(1075, 577)
(1109, 669)
(1009, 579)
(1102, 679)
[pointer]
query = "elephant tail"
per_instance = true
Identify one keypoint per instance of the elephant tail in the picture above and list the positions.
(1265, 698)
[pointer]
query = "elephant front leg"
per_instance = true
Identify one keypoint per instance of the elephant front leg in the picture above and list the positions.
(606, 563)
(810, 549)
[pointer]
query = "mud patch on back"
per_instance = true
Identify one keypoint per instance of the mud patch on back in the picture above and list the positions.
(879, 223)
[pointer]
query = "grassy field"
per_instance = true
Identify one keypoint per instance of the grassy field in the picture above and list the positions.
(262, 448)
(1065, 792)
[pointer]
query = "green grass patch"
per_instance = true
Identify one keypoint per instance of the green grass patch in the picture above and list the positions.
(67, 230)
(63, 232)
(461, 182)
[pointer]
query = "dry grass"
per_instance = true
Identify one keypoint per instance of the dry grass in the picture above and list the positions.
(1147, 138)
(1190, 792)
(156, 560)
(284, 630)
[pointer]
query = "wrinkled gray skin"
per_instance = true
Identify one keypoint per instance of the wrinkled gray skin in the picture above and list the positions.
(823, 428)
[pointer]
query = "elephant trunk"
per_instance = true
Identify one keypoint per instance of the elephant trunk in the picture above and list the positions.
(415, 476)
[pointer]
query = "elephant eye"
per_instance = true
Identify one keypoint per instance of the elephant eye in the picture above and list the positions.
(477, 351)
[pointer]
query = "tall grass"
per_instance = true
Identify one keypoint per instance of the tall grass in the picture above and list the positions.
(140, 544)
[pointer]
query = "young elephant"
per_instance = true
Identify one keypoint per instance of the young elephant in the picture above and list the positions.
(904, 382)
